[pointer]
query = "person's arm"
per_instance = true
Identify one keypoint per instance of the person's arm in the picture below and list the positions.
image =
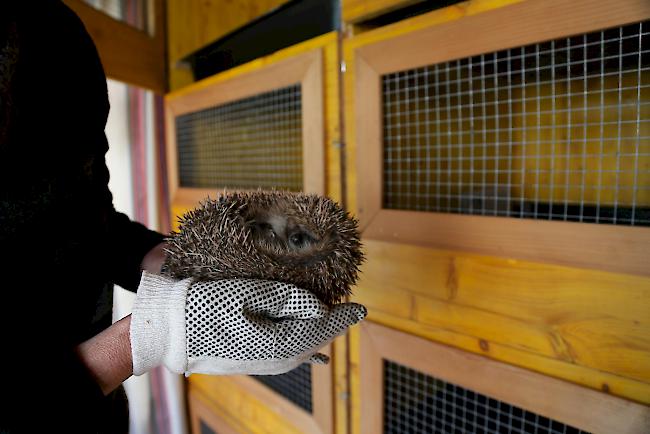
(107, 356)
(131, 248)
(154, 259)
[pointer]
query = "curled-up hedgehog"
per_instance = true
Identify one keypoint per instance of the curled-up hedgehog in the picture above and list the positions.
(303, 239)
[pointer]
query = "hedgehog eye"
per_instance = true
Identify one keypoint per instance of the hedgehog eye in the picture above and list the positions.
(299, 240)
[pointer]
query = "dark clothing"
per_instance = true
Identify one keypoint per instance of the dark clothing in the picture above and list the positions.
(62, 244)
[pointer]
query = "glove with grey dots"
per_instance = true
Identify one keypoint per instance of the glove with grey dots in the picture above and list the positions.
(236, 326)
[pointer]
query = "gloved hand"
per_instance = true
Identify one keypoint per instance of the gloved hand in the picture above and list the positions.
(239, 326)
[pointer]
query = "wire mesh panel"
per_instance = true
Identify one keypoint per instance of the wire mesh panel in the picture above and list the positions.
(295, 385)
(417, 403)
(250, 143)
(558, 130)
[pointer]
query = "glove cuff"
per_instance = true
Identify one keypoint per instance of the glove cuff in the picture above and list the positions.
(222, 366)
(158, 324)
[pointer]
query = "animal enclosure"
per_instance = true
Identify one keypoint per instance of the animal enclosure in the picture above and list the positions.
(498, 162)
(257, 126)
(497, 155)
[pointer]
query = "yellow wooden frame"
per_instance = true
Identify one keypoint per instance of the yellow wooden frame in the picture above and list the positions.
(257, 408)
(556, 399)
(202, 409)
(578, 324)
(581, 245)
(314, 63)
(128, 54)
(305, 68)
(358, 10)
(320, 421)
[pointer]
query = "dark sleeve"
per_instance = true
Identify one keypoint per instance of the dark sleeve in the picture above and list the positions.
(47, 386)
(130, 242)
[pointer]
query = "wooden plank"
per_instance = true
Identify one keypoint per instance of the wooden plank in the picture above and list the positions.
(202, 410)
(368, 120)
(333, 140)
(360, 10)
(595, 319)
(437, 16)
(127, 54)
(322, 388)
(193, 24)
(293, 414)
(524, 26)
(354, 354)
(620, 249)
(341, 391)
(240, 403)
(212, 91)
(313, 126)
(243, 388)
(371, 384)
(559, 400)
(171, 150)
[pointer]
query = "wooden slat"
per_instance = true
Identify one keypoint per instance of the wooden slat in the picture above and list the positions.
(292, 414)
(238, 402)
(333, 110)
(368, 122)
(313, 126)
(202, 410)
(511, 26)
(341, 390)
(589, 327)
(568, 403)
(193, 24)
(370, 384)
(213, 91)
(322, 388)
(620, 249)
(359, 10)
(127, 54)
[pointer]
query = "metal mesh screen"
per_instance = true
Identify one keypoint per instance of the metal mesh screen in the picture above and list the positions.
(295, 385)
(250, 143)
(417, 403)
(558, 130)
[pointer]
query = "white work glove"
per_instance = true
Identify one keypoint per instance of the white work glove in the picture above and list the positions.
(238, 326)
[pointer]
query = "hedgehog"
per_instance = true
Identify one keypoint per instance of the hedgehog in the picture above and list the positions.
(304, 239)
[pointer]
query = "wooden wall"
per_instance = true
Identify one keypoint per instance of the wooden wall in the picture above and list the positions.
(588, 327)
(128, 54)
(192, 24)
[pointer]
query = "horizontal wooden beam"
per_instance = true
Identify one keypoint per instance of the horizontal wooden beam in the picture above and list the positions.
(360, 10)
(127, 54)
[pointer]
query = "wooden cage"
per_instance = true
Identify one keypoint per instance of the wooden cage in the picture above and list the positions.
(472, 166)
(262, 124)
(497, 154)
